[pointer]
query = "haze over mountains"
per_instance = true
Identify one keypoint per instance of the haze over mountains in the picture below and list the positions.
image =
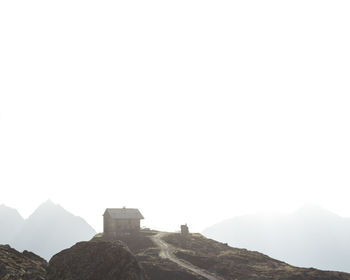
(11, 222)
(309, 237)
(47, 231)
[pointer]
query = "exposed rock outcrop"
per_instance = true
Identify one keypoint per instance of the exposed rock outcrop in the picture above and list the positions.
(21, 266)
(233, 263)
(95, 261)
(147, 254)
(110, 259)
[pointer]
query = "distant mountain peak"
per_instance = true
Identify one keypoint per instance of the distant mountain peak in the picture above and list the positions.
(48, 202)
(49, 209)
(9, 210)
(10, 223)
(50, 229)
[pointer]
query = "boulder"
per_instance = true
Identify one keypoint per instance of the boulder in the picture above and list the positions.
(95, 261)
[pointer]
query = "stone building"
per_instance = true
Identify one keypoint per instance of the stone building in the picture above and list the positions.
(184, 229)
(121, 220)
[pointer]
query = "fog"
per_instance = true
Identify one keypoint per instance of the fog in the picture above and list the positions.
(191, 111)
(309, 237)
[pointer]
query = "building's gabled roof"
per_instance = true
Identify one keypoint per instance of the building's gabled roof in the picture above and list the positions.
(124, 213)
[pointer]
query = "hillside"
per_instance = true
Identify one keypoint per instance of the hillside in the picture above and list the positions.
(147, 254)
(216, 258)
(139, 257)
(309, 237)
(233, 263)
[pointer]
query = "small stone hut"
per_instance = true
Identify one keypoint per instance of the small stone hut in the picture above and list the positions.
(121, 220)
(184, 229)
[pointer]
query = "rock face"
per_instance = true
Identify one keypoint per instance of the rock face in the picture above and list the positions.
(21, 266)
(95, 261)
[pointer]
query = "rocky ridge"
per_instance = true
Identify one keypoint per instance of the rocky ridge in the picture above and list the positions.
(21, 266)
(136, 257)
(216, 258)
(234, 263)
(147, 254)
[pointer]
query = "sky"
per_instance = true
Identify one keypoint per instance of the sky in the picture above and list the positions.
(192, 111)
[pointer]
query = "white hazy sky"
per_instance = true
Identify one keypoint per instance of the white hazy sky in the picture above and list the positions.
(192, 111)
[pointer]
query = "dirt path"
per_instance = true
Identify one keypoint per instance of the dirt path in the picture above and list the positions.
(167, 252)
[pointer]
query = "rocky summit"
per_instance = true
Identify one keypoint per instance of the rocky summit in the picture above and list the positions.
(234, 263)
(151, 255)
(147, 254)
(21, 266)
(95, 261)
(216, 258)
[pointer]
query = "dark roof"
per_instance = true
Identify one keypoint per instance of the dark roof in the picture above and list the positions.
(124, 213)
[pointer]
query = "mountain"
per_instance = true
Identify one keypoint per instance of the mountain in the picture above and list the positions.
(151, 255)
(176, 256)
(309, 237)
(233, 263)
(11, 222)
(51, 229)
(148, 255)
